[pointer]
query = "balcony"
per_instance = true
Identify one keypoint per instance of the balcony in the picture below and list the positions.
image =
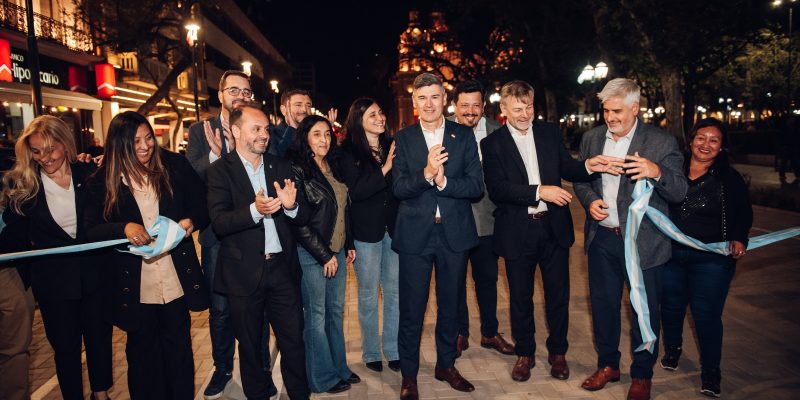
(13, 17)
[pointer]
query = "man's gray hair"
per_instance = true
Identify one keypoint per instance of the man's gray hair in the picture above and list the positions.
(426, 79)
(623, 88)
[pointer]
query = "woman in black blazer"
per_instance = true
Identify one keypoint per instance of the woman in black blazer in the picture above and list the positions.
(44, 195)
(151, 299)
(373, 214)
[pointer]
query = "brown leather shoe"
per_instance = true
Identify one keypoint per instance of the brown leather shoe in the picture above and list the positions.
(600, 377)
(451, 376)
(497, 343)
(522, 368)
(559, 368)
(462, 343)
(409, 389)
(640, 389)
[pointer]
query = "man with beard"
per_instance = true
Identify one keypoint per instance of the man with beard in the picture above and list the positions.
(208, 142)
(295, 106)
(468, 98)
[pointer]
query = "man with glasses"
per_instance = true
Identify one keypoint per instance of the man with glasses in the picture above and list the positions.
(209, 141)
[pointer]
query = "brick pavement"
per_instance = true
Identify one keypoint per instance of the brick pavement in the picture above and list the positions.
(759, 357)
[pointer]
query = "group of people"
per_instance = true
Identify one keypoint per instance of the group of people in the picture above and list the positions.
(283, 210)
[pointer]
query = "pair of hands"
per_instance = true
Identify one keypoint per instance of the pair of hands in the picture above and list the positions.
(286, 197)
(214, 138)
(634, 165)
(137, 234)
(434, 170)
(330, 267)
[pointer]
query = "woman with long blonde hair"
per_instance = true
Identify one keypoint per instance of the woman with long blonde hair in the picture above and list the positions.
(44, 197)
(151, 298)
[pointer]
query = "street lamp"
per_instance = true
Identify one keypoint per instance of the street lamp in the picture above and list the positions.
(776, 4)
(593, 75)
(247, 67)
(274, 86)
(192, 33)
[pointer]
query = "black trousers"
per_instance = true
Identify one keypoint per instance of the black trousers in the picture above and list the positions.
(607, 277)
(484, 274)
(415, 280)
(553, 260)
(278, 299)
(160, 363)
(69, 323)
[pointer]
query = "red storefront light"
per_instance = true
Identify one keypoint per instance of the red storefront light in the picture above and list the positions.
(106, 80)
(76, 77)
(5, 61)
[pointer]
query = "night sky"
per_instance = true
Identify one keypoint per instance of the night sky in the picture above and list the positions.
(352, 44)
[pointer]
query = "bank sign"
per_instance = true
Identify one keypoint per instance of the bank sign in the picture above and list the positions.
(53, 73)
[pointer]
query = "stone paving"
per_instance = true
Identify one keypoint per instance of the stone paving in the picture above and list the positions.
(760, 357)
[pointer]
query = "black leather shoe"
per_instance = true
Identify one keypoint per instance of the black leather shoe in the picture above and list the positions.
(353, 379)
(339, 387)
(394, 365)
(376, 366)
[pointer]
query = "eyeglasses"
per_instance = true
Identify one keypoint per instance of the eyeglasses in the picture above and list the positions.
(234, 91)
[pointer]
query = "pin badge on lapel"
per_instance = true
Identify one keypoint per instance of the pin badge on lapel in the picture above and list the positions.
(453, 135)
(270, 166)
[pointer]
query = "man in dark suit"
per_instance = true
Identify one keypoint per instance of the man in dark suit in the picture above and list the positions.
(468, 98)
(295, 106)
(651, 154)
(524, 164)
(436, 174)
(208, 142)
(258, 267)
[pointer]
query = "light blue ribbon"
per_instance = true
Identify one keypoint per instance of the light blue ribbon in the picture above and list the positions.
(638, 209)
(167, 232)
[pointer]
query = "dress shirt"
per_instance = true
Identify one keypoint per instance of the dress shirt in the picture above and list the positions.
(432, 139)
(616, 148)
(61, 203)
(480, 134)
(258, 179)
(160, 284)
(527, 149)
(225, 128)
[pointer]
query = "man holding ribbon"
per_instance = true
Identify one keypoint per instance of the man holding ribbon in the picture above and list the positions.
(650, 154)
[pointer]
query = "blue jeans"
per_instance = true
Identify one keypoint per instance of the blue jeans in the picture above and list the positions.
(323, 315)
(376, 263)
(699, 279)
(219, 322)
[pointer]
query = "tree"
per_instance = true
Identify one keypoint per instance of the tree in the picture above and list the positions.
(153, 29)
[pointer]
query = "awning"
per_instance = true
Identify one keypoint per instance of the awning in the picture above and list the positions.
(21, 93)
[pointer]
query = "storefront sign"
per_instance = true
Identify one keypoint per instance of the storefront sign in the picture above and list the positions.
(5, 61)
(53, 72)
(106, 80)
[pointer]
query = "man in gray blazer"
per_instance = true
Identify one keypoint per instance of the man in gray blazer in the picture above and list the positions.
(468, 98)
(651, 154)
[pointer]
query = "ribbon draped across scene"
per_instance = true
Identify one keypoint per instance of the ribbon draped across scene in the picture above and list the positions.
(167, 232)
(638, 209)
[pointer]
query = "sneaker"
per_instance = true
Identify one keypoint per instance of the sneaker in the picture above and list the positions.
(671, 357)
(217, 385)
(710, 383)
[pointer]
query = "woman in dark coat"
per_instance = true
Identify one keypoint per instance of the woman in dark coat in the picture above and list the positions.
(44, 196)
(150, 299)
(325, 248)
(716, 209)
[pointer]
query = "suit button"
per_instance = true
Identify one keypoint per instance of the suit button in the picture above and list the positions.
(196, 286)
(188, 270)
(126, 272)
(183, 253)
(126, 290)
(124, 306)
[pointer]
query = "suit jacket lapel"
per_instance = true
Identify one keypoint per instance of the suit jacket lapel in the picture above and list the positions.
(269, 175)
(538, 144)
(239, 173)
(511, 149)
(419, 146)
(637, 144)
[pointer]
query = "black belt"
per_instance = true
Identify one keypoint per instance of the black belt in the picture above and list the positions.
(437, 220)
(539, 215)
(615, 230)
(271, 256)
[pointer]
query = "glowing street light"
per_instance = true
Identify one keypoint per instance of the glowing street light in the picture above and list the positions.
(247, 67)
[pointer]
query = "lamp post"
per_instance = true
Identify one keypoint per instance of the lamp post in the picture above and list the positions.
(274, 86)
(33, 60)
(192, 33)
(593, 75)
(790, 3)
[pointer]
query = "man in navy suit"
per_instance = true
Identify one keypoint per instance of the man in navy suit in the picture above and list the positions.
(437, 173)
(524, 163)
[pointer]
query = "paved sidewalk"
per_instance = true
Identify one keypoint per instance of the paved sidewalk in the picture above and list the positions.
(759, 360)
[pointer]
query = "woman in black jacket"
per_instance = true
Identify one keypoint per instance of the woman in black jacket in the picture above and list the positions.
(151, 298)
(44, 195)
(326, 247)
(374, 211)
(716, 209)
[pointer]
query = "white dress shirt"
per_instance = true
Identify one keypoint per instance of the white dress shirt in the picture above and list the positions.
(527, 149)
(616, 148)
(432, 139)
(480, 134)
(61, 203)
